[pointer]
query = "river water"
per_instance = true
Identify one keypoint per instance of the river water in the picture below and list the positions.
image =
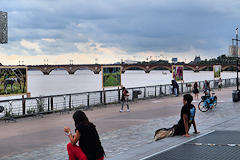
(60, 82)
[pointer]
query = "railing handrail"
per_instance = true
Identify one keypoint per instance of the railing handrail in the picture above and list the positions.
(70, 94)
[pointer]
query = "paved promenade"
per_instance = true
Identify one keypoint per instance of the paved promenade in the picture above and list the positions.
(127, 135)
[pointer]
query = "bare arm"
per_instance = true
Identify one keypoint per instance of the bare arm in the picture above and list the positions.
(73, 138)
(185, 119)
(195, 127)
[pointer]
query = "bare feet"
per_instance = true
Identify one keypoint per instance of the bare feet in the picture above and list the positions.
(186, 135)
(196, 132)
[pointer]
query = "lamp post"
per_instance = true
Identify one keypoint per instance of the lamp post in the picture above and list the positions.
(236, 54)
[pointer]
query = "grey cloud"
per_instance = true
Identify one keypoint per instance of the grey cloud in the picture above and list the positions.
(133, 26)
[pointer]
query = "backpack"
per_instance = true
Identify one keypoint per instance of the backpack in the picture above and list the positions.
(192, 114)
(163, 133)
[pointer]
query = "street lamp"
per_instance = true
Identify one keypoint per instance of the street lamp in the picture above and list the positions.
(237, 54)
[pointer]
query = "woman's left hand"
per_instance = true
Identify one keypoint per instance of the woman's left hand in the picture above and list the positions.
(66, 129)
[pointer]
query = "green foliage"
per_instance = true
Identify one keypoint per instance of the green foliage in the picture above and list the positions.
(40, 105)
(31, 111)
(112, 79)
(7, 113)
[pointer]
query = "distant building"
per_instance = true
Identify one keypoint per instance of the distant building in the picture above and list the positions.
(130, 62)
(174, 60)
(196, 60)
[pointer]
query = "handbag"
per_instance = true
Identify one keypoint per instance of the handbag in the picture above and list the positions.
(163, 133)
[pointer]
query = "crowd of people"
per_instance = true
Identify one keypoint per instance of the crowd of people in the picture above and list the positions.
(85, 143)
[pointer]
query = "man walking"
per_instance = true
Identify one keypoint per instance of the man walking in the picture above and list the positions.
(124, 99)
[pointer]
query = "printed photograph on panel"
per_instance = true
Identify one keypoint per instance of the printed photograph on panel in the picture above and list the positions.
(111, 76)
(217, 71)
(13, 80)
(177, 72)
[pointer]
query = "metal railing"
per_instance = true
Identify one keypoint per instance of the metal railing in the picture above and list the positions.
(64, 102)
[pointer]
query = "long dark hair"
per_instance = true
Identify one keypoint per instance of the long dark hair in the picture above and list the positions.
(195, 85)
(188, 98)
(80, 118)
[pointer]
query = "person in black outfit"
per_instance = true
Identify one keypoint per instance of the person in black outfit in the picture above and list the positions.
(195, 90)
(175, 87)
(89, 147)
(187, 117)
(124, 99)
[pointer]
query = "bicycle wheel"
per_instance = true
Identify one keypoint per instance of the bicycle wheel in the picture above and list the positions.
(215, 101)
(202, 107)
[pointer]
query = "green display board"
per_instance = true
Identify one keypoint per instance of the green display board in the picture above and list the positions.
(217, 71)
(111, 76)
(13, 80)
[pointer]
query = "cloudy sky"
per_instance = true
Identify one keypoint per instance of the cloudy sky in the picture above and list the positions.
(106, 31)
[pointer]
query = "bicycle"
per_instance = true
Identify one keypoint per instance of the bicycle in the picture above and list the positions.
(207, 102)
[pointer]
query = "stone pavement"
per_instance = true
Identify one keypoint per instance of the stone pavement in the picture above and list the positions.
(135, 140)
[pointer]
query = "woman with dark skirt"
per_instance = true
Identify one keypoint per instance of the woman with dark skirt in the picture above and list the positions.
(89, 146)
(187, 118)
(195, 90)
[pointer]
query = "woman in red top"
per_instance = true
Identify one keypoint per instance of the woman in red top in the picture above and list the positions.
(89, 147)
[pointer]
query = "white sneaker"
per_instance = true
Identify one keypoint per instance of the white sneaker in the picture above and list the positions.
(128, 110)
(121, 110)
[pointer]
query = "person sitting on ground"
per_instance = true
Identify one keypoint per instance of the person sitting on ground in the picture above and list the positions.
(187, 117)
(186, 120)
(86, 135)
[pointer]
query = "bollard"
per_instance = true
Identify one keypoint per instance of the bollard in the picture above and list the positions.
(70, 102)
(155, 91)
(165, 90)
(88, 100)
(119, 99)
(160, 90)
(101, 101)
(144, 92)
(132, 95)
(51, 103)
(23, 105)
(181, 88)
(104, 97)
(48, 103)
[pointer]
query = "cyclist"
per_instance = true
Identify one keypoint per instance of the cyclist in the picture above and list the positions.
(206, 88)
